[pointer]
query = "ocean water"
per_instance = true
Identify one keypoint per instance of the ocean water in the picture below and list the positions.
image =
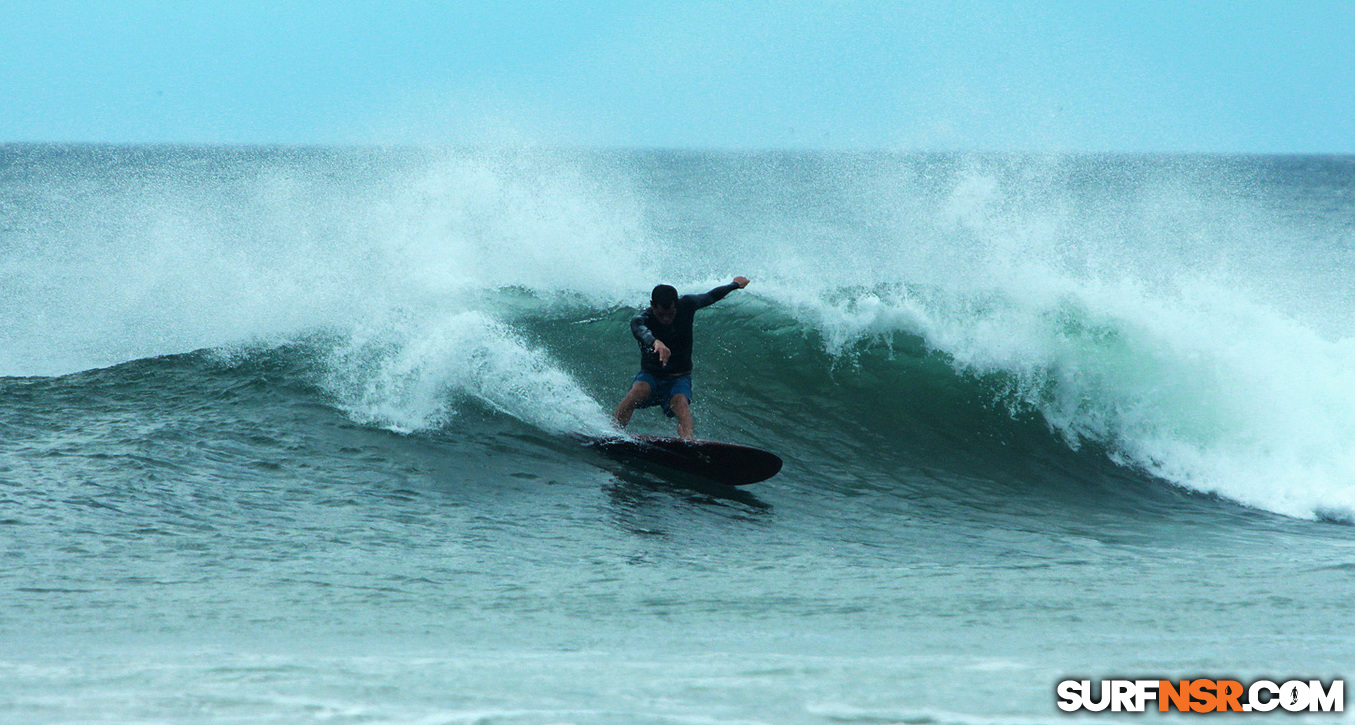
(286, 435)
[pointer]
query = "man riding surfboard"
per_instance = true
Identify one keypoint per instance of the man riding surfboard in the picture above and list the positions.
(664, 332)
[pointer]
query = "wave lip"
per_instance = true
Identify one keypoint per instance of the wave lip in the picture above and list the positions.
(1197, 385)
(1168, 310)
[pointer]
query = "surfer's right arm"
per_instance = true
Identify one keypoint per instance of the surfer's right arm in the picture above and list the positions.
(647, 339)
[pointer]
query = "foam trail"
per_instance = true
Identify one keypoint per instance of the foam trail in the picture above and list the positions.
(412, 379)
(401, 254)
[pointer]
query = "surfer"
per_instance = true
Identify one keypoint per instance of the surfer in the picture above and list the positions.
(664, 332)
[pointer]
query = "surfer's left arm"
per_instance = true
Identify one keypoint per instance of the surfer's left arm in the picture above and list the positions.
(717, 294)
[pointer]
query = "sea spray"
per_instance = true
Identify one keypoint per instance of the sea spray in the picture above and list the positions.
(196, 249)
(1188, 314)
(1118, 301)
(1200, 385)
(949, 353)
(412, 377)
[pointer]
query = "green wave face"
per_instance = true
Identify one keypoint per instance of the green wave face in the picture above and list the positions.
(1041, 321)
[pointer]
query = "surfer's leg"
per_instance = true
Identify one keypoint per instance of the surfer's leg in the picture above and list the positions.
(683, 410)
(639, 393)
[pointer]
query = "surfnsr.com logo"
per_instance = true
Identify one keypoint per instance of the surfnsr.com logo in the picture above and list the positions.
(1202, 695)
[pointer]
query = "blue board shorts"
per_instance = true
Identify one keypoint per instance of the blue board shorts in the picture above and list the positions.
(662, 390)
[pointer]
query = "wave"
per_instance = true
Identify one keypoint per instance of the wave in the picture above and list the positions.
(941, 306)
(867, 381)
(1202, 389)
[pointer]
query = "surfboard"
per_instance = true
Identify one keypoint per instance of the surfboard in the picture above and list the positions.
(727, 463)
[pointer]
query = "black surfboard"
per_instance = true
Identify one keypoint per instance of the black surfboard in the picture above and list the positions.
(727, 463)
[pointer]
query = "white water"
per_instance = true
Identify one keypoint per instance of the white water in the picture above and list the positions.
(1185, 370)
(395, 262)
(99, 271)
(1197, 327)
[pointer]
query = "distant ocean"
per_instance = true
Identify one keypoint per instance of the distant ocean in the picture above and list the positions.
(285, 433)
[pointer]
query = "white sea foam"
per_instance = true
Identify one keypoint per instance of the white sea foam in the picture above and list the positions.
(114, 267)
(412, 376)
(1167, 313)
(1182, 370)
(397, 258)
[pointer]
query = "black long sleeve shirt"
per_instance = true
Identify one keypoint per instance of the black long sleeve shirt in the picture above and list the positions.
(677, 336)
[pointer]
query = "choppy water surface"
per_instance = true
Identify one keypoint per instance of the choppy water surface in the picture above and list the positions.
(285, 435)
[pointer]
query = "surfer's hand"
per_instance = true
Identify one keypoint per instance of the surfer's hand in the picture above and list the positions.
(663, 351)
(741, 282)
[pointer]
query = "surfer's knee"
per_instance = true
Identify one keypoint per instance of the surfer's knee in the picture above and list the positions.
(639, 391)
(679, 403)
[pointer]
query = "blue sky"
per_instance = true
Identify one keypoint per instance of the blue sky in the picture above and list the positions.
(1275, 77)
